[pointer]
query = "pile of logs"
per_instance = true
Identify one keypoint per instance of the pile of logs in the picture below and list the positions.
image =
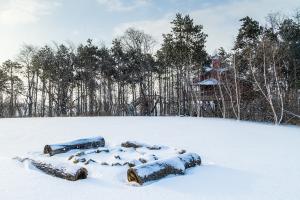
(140, 171)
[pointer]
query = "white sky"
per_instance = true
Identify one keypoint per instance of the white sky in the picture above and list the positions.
(40, 22)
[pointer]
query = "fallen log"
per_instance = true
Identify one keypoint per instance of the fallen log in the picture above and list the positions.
(161, 168)
(86, 143)
(60, 170)
(135, 145)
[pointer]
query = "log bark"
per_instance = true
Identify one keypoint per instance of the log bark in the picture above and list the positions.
(60, 170)
(86, 143)
(161, 168)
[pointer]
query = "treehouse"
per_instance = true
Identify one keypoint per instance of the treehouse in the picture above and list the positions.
(207, 84)
(217, 87)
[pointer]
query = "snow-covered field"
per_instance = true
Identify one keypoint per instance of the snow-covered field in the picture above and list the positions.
(241, 160)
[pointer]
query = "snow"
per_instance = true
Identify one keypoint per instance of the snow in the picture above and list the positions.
(240, 160)
(221, 70)
(120, 155)
(208, 69)
(210, 81)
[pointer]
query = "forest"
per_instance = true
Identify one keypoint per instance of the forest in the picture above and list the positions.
(257, 80)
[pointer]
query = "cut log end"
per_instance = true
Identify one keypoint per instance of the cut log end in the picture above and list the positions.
(47, 149)
(133, 177)
(82, 173)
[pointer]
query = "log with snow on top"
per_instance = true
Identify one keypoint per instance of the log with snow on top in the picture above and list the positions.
(134, 144)
(57, 169)
(161, 168)
(86, 143)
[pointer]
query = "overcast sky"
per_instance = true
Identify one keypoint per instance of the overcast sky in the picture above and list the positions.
(42, 21)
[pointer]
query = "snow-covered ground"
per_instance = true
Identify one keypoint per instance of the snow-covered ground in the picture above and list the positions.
(241, 160)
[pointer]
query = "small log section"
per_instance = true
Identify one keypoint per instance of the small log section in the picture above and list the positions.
(135, 145)
(64, 171)
(86, 143)
(161, 168)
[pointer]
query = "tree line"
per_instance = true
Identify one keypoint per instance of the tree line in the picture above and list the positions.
(261, 80)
